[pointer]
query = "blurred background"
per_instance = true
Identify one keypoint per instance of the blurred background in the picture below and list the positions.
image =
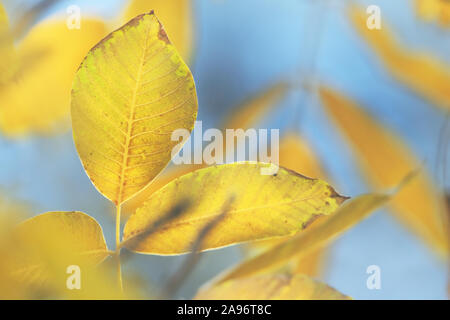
(239, 49)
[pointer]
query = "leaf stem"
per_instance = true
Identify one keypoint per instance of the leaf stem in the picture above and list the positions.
(118, 247)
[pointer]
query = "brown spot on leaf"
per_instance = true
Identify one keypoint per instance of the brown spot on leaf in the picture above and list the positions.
(162, 35)
(311, 220)
(333, 194)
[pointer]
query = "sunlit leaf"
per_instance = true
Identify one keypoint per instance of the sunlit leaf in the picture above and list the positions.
(264, 206)
(422, 73)
(37, 100)
(297, 155)
(271, 287)
(310, 263)
(3, 16)
(385, 160)
(305, 242)
(37, 254)
(434, 11)
(48, 243)
(7, 52)
(160, 181)
(245, 116)
(130, 93)
(10, 287)
(176, 16)
(78, 232)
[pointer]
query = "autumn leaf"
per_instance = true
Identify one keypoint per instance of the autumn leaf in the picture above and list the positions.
(37, 99)
(177, 18)
(130, 93)
(3, 19)
(10, 213)
(271, 287)
(36, 256)
(311, 263)
(7, 52)
(82, 234)
(250, 112)
(246, 115)
(48, 243)
(385, 160)
(264, 206)
(305, 242)
(434, 11)
(420, 72)
(169, 174)
(297, 155)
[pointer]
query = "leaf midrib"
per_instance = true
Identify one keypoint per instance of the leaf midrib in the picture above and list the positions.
(231, 212)
(131, 119)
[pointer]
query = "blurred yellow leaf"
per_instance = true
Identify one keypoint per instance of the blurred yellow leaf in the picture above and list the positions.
(130, 93)
(264, 206)
(422, 73)
(271, 287)
(37, 100)
(434, 11)
(296, 154)
(177, 18)
(386, 160)
(10, 287)
(310, 263)
(78, 234)
(252, 111)
(3, 16)
(346, 216)
(7, 52)
(36, 256)
(48, 243)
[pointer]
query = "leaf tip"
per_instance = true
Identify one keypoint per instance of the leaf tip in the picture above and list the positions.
(339, 198)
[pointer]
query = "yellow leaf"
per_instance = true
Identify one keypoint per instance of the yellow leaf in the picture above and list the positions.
(48, 243)
(3, 16)
(245, 116)
(385, 160)
(177, 18)
(78, 234)
(310, 263)
(252, 111)
(271, 287)
(169, 174)
(38, 254)
(264, 206)
(297, 155)
(37, 100)
(7, 53)
(310, 239)
(434, 11)
(130, 93)
(422, 73)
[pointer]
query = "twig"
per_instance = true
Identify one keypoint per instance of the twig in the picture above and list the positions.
(191, 261)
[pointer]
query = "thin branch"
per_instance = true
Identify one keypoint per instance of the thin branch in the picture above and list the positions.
(119, 267)
(191, 261)
(175, 212)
